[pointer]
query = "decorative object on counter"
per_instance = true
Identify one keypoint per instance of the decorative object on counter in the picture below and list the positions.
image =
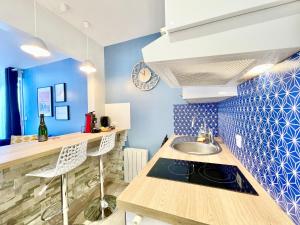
(45, 101)
(43, 131)
(106, 145)
(70, 157)
(90, 123)
(104, 121)
(62, 113)
(14, 139)
(143, 77)
(189, 117)
(107, 129)
(60, 92)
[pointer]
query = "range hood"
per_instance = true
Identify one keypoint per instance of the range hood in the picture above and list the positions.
(222, 51)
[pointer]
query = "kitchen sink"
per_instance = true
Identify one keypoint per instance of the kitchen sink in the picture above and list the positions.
(189, 145)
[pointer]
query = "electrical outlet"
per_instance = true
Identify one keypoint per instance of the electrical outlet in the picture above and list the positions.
(238, 140)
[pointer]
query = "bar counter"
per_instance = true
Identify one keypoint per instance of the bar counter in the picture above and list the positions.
(12, 155)
(20, 202)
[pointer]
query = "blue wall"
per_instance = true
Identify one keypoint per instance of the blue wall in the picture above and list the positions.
(183, 117)
(65, 71)
(266, 114)
(151, 111)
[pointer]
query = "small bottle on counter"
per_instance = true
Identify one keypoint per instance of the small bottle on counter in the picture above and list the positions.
(43, 131)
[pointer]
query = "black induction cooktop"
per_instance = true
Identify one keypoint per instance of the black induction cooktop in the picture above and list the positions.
(209, 174)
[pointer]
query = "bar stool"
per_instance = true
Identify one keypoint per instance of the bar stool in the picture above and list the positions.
(70, 157)
(106, 145)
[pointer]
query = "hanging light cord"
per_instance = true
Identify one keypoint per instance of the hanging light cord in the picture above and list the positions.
(87, 47)
(34, 12)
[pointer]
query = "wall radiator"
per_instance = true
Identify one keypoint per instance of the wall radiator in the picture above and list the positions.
(134, 161)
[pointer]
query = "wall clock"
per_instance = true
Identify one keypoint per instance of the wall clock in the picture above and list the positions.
(143, 77)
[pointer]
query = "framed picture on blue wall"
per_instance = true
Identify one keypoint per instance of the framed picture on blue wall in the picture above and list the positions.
(62, 113)
(44, 97)
(60, 92)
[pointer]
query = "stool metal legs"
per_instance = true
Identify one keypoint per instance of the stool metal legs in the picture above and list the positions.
(64, 198)
(103, 203)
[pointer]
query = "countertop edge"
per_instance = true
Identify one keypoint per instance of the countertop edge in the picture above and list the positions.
(12, 154)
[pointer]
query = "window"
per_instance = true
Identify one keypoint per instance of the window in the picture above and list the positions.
(2, 104)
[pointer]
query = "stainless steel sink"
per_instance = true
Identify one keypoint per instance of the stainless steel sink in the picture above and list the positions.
(189, 145)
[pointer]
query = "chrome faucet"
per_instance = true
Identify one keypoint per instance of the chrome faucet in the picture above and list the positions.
(204, 131)
(193, 121)
(211, 136)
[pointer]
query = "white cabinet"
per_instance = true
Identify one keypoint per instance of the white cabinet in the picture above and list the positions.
(182, 14)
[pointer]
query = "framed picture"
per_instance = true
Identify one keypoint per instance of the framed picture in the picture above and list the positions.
(60, 92)
(44, 96)
(62, 113)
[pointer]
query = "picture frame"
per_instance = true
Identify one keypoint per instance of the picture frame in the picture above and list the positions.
(60, 92)
(62, 112)
(44, 100)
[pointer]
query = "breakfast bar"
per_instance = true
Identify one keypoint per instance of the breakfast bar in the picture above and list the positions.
(21, 199)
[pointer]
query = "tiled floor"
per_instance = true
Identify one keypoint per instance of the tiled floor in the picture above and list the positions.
(118, 218)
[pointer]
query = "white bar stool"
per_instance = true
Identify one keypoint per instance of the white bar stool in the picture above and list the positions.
(69, 158)
(106, 145)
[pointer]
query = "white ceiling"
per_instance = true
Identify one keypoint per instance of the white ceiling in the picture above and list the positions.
(12, 56)
(112, 21)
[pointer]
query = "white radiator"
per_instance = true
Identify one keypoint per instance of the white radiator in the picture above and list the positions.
(134, 161)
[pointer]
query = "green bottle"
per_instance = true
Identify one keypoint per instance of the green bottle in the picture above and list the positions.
(43, 132)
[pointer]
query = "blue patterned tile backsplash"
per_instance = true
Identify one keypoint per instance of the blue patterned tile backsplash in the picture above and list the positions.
(184, 114)
(266, 113)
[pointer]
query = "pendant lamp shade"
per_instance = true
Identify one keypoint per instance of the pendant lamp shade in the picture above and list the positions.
(36, 47)
(87, 67)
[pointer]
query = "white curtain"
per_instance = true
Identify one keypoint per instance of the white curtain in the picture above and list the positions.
(2, 104)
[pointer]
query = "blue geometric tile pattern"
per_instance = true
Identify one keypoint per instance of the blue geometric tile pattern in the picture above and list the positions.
(266, 113)
(184, 114)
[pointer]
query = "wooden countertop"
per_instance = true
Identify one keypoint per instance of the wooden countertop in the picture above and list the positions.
(15, 154)
(188, 204)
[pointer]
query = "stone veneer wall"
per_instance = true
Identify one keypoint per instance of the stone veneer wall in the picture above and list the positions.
(19, 201)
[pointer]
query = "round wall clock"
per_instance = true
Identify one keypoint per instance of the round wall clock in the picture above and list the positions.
(143, 77)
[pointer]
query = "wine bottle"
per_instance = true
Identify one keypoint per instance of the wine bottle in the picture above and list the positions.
(43, 131)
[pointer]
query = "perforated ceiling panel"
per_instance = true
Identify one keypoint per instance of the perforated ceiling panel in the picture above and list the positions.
(193, 72)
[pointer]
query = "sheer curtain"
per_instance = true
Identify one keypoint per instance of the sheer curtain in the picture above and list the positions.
(3, 110)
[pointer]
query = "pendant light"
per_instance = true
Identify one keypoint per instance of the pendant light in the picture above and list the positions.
(87, 66)
(35, 46)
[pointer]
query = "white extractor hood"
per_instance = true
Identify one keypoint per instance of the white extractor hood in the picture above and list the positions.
(221, 50)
